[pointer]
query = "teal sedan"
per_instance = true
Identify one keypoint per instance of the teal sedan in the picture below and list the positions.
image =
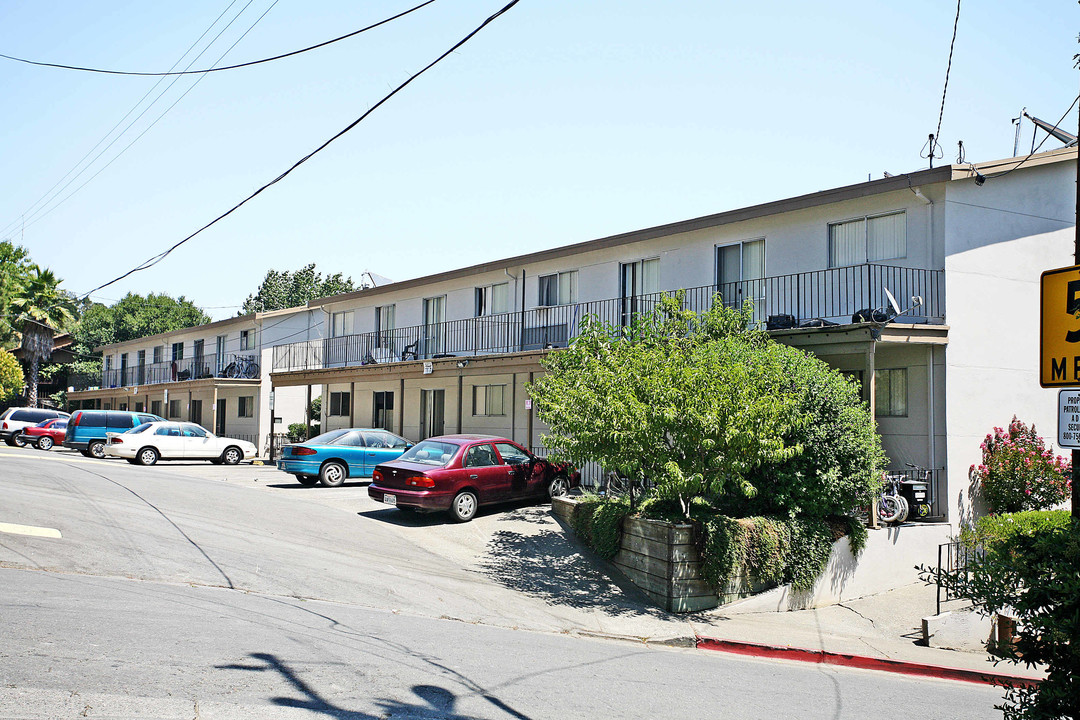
(335, 456)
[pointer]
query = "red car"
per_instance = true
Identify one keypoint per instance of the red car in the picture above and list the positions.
(460, 473)
(45, 434)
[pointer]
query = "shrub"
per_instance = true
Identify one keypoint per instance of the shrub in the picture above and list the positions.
(1031, 568)
(990, 531)
(597, 522)
(1019, 473)
(11, 376)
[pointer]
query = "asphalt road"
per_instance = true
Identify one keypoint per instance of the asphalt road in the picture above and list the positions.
(199, 591)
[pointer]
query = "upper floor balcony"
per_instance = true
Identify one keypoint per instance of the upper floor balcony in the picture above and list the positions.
(809, 299)
(229, 365)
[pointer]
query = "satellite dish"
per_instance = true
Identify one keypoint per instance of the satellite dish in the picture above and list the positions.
(892, 302)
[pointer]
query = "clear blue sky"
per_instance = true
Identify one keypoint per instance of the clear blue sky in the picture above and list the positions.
(561, 122)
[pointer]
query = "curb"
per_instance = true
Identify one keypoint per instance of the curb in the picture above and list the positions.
(866, 663)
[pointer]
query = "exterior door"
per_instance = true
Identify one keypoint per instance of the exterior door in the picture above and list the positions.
(740, 269)
(640, 283)
(434, 316)
(219, 426)
(432, 404)
(484, 470)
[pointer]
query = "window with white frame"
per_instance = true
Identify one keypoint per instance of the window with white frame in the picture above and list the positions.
(177, 351)
(890, 392)
(559, 288)
(384, 326)
(493, 299)
(245, 407)
(341, 323)
(340, 404)
(868, 239)
(245, 339)
(159, 354)
(489, 400)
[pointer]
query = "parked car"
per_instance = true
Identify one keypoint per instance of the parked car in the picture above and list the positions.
(45, 434)
(461, 473)
(87, 429)
(332, 457)
(149, 442)
(13, 420)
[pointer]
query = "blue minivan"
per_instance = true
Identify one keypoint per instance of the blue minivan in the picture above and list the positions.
(86, 428)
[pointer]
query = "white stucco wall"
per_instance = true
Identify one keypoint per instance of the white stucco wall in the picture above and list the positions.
(999, 238)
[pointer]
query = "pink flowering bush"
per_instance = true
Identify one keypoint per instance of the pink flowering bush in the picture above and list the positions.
(1019, 473)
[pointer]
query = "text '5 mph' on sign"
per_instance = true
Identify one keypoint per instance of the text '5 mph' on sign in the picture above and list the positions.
(1059, 346)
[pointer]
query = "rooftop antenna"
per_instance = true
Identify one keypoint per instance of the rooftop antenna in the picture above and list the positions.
(1016, 136)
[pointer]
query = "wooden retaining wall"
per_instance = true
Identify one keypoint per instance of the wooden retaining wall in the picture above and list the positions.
(661, 559)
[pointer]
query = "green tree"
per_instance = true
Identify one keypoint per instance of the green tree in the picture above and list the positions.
(40, 308)
(135, 316)
(11, 376)
(705, 406)
(285, 289)
(16, 269)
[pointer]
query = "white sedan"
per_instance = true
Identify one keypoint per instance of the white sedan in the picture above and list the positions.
(147, 443)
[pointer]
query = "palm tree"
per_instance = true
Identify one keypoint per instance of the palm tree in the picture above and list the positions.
(39, 308)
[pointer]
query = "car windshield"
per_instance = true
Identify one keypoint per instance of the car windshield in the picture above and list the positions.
(430, 452)
(328, 438)
(138, 429)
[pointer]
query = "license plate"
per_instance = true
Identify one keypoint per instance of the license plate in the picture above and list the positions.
(390, 499)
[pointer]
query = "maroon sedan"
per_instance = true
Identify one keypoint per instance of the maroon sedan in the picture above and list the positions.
(45, 434)
(459, 473)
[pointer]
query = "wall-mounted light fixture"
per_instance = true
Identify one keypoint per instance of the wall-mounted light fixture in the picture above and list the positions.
(462, 363)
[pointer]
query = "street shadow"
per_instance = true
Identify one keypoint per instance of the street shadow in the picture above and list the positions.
(432, 701)
(317, 487)
(550, 566)
(411, 518)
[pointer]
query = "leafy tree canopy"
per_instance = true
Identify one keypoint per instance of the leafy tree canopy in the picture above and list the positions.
(16, 269)
(704, 406)
(285, 289)
(133, 317)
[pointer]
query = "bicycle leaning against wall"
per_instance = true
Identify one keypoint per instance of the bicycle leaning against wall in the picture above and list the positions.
(243, 366)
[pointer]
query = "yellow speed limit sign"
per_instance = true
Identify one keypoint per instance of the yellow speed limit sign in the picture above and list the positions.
(1059, 347)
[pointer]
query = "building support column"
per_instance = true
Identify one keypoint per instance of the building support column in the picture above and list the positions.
(460, 399)
(401, 408)
(307, 414)
(871, 393)
(214, 409)
(529, 418)
(513, 407)
(352, 404)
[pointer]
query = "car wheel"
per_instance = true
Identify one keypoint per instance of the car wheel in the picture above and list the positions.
(333, 474)
(96, 449)
(307, 480)
(558, 486)
(148, 456)
(464, 506)
(44, 443)
(232, 455)
(17, 441)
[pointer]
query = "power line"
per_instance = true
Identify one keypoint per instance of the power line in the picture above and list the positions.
(50, 195)
(147, 129)
(219, 69)
(1036, 149)
(932, 142)
(165, 253)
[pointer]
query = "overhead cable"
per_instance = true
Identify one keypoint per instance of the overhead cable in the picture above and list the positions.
(165, 253)
(217, 69)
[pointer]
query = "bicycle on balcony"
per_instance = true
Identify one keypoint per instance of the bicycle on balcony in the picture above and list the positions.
(244, 366)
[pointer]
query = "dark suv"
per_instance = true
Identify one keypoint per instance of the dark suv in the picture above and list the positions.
(13, 420)
(87, 428)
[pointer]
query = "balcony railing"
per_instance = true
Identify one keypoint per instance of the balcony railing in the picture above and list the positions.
(809, 299)
(193, 368)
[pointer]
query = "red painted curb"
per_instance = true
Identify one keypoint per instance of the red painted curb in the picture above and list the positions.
(866, 663)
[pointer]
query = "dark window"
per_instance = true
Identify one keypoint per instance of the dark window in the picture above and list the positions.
(92, 419)
(246, 406)
(383, 414)
(480, 456)
(196, 412)
(339, 403)
(155, 407)
(150, 418)
(120, 420)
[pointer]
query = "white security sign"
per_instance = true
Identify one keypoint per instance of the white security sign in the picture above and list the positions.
(1069, 418)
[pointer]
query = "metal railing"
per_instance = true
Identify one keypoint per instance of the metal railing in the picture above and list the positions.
(193, 368)
(953, 569)
(808, 299)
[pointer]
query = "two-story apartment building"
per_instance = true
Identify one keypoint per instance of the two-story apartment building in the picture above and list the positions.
(217, 375)
(454, 351)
